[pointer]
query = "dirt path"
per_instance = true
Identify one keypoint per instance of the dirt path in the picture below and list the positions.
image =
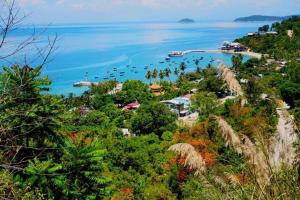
(282, 148)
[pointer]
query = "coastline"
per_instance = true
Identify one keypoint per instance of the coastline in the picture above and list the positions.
(245, 53)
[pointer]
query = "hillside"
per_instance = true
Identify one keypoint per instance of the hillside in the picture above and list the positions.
(258, 18)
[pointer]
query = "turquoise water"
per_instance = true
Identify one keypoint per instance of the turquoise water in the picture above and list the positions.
(93, 51)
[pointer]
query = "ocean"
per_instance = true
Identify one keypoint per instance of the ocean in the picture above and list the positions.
(92, 51)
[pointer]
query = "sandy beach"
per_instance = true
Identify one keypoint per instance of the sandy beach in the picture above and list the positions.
(246, 53)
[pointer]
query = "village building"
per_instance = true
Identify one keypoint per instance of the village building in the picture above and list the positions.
(290, 33)
(156, 90)
(233, 46)
(179, 105)
(132, 106)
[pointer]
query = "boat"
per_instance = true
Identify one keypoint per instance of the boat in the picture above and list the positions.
(161, 62)
(176, 54)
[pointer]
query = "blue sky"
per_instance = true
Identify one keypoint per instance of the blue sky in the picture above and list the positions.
(89, 11)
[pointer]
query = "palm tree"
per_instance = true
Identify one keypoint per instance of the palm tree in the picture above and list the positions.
(167, 73)
(197, 61)
(161, 75)
(149, 76)
(182, 66)
(154, 74)
(176, 71)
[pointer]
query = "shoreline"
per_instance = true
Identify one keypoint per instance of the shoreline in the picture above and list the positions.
(246, 53)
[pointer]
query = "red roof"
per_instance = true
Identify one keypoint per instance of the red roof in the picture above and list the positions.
(132, 106)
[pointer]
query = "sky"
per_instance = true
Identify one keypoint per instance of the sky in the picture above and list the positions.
(92, 11)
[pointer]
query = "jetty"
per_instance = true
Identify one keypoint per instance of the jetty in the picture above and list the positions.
(84, 84)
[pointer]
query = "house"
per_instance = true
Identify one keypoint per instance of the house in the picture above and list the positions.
(193, 91)
(84, 111)
(116, 89)
(235, 46)
(132, 106)
(127, 133)
(179, 105)
(290, 33)
(244, 81)
(156, 90)
(272, 33)
(250, 34)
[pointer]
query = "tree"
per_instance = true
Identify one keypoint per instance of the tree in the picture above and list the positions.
(168, 73)
(153, 117)
(293, 69)
(28, 118)
(204, 102)
(176, 71)
(161, 75)
(182, 67)
(213, 84)
(253, 91)
(264, 28)
(237, 62)
(290, 92)
(149, 76)
(197, 62)
(103, 88)
(154, 74)
(133, 90)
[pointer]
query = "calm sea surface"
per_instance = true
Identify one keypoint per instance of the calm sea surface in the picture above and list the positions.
(91, 52)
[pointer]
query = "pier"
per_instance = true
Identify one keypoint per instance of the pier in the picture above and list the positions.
(84, 84)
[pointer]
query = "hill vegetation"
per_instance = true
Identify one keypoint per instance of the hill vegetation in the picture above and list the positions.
(260, 18)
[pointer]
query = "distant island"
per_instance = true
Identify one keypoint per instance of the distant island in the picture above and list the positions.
(186, 20)
(259, 18)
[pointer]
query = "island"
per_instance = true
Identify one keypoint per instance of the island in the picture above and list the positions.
(260, 18)
(186, 21)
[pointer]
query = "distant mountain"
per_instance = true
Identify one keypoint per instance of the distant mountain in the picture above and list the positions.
(260, 18)
(186, 20)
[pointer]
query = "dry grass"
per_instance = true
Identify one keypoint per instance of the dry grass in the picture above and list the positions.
(233, 84)
(193, 159)
(254, 155)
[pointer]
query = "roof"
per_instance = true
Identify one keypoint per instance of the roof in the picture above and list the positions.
(155, 87)
(132, 105)
(157, 94)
